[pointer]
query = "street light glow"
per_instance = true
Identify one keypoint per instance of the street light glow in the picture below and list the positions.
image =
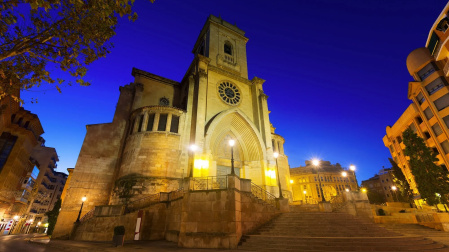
(276, 155)
(352, 167)
(193, 147)
(231, 142)
(347, 189)
(305, 192)
(16, 217)
(394, 188)
(364, 190)
(291, 181)
(39, 223)
(344, 174)
(83, 198)
(316, 162)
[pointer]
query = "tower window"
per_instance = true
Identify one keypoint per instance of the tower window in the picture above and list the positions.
(150, 122)
(164, 102)
(162, 122)
(174, 124)
(140, 123)
(228, 48)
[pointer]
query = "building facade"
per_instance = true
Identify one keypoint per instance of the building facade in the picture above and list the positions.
(157, 121)
(428, 115)
(335, 179)
(382, 185)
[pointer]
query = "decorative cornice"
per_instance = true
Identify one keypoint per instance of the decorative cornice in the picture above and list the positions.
(228, 74)
(151, 76)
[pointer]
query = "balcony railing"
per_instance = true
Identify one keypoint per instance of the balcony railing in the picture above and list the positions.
(262, 194)
(209, 183)
(229, 59)
(143, 202)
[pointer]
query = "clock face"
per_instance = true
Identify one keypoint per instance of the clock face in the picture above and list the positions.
(229, 93)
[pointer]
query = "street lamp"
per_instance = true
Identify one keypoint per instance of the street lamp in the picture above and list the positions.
(276, 155)
(305, 196)
(231, 143)
(81, 209)
(394, 188)
(192, 149)
(352, 168)
(316, 163)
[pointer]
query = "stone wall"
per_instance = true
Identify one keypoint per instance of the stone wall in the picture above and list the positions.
(255, 212)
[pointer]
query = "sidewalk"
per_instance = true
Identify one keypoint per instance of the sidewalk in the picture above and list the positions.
(84, 246)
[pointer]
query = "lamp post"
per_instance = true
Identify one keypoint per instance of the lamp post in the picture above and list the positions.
(192, 149)
(81, 209)
(276, 155)
(231, 143)
(316, 163)
(394, 188)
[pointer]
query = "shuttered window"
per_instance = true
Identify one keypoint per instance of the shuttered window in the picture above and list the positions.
(435, 85)
(174, 124)
(445, 146)
(162, 122)
(437, 129)
(446, 121)
(442, 102)
(150, 122)
(428, 113)
(426, 71)
(420, 98)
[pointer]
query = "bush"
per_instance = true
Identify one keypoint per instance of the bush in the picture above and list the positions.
(119, 230)
(402, 211)
(381, 212)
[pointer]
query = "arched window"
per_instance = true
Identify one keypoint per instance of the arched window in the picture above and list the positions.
(164, 101)
(228, 48)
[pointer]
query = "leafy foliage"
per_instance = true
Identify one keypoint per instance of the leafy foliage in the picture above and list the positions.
(53, 216)
(375, 197)
(69, 33)
(432, 180)
(403, 193)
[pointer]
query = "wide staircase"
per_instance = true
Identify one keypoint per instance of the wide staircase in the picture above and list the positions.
(316, 231)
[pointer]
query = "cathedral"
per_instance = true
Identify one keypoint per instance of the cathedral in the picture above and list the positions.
(165, 131)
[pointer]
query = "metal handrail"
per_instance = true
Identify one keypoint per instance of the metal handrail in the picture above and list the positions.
(209, 183)
(262, 194)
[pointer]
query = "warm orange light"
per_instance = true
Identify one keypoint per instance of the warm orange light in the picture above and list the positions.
(193, 147)
(276, 155)
(364, 190)
(344, 174)
(83, 198)
(394, 188)
(316, 162)
(231, 142)
(352, 167)
(291, 181)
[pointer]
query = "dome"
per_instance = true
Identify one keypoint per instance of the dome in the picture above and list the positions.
(417, 59)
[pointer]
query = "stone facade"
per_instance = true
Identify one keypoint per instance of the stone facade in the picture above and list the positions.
(305, 184)
(146, 148)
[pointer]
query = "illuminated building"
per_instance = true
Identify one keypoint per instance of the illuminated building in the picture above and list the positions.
(428, 115)
(158, 119)
(382, 184)
(334, 180)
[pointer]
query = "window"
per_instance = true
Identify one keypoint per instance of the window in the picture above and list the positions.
(428, 113)
(442, 102)
(426, 135)
(399, 139)
(433, 42)
(419, 119)
(435, 150)
(413, 127)
(150, 122)
(164, 101)
(131, 128)
(27, 123)
(272, 143)
(445, 146)
(174, 124)
(386, 180)
(437, 129)
(426, 71)
(420, 98)
(20, 121)
(446, 121)
(391, 148)
(435, 85)
(162, 122)
(140, 123)
(7, 142)
(443, 25)
(388, 195)
(228, 48)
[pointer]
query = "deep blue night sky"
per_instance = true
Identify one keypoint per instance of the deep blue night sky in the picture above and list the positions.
(335, 71)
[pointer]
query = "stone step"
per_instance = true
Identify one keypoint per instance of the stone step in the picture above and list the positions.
(339, 244)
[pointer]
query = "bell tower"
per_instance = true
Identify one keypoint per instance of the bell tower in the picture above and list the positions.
(224, 44)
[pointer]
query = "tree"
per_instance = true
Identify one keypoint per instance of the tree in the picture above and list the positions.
(431, 180)
(69, 33)
(375, 197)
(404, 193)
(53, 217)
